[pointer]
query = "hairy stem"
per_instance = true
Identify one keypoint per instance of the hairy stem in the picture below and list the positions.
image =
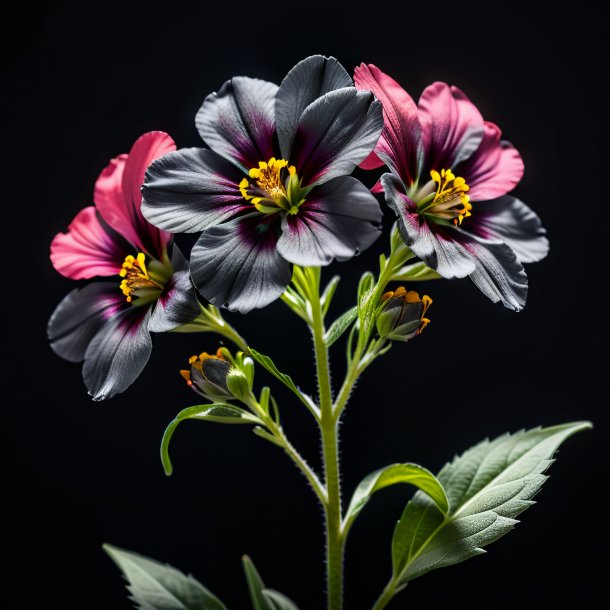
(330, 450)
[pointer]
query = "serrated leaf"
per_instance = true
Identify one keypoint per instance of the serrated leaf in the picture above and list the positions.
(157, 586)
(419, 272)
(220, 413)
(487, 487)
(340, 325)
(278, 601)
(269, 365)
(390, 475)
(255, 586)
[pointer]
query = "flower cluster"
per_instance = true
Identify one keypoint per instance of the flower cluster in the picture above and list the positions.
(272, 188)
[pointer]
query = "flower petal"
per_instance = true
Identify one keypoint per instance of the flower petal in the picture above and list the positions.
(432, 243)
(339, 219)
(451, 126)
(177, 304)
(498, 274)
(400, 142)
(118, 198)
(190, 190)
(238, 122)
(305, 83)
(118, 353)
(236, 264)
(80, 315)
(89, 248)
(494, 169)
(335, 133)
(509, 220)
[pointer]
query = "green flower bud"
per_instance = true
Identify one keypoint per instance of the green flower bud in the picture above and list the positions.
(400, 316)
(238, 384)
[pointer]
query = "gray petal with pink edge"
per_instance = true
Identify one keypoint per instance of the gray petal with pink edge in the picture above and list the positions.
(236, 264)
(118, 353)
(334, 134)
(510, 220)
(305, 83)
(238, 121)
(80, 315)
(191, 189)
(340, 219)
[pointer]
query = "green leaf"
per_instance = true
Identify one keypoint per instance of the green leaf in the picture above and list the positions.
(268, 364)
(278, 601)
(219, 412)
(340, 325)
(487, 487)
(255, 586)
(416, 272)
(157, 586)
(328, 294)
(390, 475)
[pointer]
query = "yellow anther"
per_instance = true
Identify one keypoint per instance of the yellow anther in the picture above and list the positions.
(450, 203)
(135, 275)
(268, 193)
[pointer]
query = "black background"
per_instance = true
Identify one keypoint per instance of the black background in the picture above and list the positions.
(81, 84)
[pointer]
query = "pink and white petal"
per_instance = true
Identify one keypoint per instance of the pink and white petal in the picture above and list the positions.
(451, 126)
(400, 143)
(88, 249)
(146, 149)
(494, 169)
(434, 244)
(509, 220)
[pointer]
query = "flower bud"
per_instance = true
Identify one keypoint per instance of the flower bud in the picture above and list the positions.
(401, 314)
(238, 384)
(208, 376)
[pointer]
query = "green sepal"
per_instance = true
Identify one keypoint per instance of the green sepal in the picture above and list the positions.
(255, 586)
(329, 293)
(417, 272)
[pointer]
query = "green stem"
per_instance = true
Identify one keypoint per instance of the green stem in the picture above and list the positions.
(294, 455)
(386, 596)
(330, 445)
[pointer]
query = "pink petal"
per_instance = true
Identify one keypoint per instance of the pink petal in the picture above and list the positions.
(118, 198)
(494, 169)
(87, 249)
(400, 141)
(372, 161)
(451, 126)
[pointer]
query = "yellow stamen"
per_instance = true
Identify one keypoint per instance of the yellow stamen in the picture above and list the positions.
(268, 187)
(450, 200)
(135, 275)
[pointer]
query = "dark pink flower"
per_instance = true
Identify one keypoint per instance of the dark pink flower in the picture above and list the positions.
(450, 175)
(107, 324)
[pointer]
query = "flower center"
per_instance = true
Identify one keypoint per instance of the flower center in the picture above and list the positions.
(450, 203)
(137, 278)
(273, 186)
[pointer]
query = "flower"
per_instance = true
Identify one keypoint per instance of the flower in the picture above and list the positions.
(401, 314)
(450, 175)
(272, 189)
(207, 376)
(108, 324)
